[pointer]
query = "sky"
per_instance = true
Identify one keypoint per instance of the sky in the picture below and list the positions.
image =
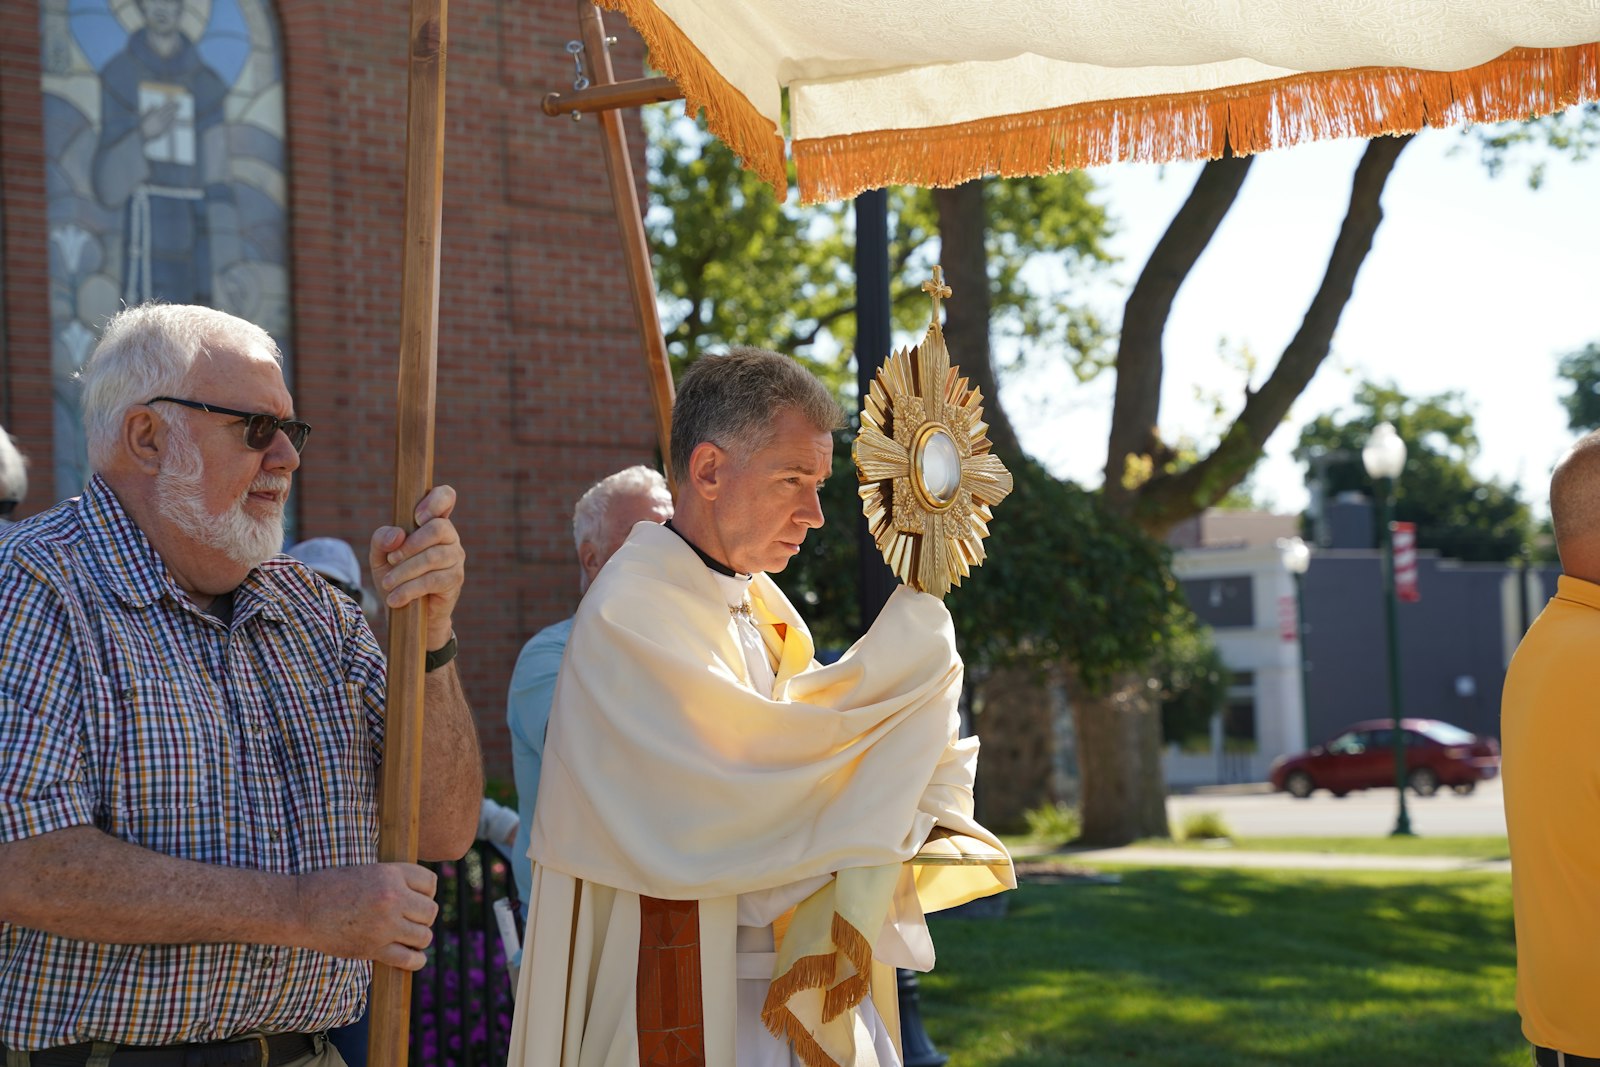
(1474, 283)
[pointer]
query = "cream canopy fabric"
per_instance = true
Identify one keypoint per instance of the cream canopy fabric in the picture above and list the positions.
(935, 92)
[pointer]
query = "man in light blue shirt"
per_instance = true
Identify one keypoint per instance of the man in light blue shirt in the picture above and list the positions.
(600, 523)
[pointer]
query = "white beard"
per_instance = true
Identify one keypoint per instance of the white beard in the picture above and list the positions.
(180, 496)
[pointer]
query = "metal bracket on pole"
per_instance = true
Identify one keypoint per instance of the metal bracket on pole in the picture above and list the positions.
(598, 90)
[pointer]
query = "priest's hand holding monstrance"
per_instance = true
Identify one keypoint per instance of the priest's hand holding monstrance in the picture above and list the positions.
(928, 484)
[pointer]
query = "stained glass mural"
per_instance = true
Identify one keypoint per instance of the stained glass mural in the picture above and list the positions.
(165, 173)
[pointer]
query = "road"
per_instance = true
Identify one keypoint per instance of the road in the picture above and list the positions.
(1362, 814)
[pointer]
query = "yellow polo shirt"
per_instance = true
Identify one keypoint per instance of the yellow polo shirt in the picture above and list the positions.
(1550, 752)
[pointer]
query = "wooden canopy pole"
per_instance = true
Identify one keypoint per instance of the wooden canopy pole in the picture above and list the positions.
(630, 221)
(400, 791)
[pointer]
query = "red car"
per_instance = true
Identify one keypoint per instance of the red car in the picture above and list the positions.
(1362, 757)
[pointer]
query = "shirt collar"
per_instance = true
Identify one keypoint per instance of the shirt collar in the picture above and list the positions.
(705, 557)
(131, 567)
(1578, 591)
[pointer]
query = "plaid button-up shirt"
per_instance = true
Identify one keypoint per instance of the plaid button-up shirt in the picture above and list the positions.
(250, 744)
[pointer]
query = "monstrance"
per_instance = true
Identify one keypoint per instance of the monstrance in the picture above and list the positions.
(928, 478)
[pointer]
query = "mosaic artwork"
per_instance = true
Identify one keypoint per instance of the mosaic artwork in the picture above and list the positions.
(165, 170)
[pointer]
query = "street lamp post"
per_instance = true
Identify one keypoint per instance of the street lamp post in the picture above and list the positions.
(1297, 560)
(1385, 457)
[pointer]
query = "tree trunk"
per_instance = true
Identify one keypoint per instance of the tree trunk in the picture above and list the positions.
(1119, 741)
(1012, 707)
(963, 224)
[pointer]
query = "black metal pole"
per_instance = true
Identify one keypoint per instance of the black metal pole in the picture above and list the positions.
(875, 580)
(1402, 823)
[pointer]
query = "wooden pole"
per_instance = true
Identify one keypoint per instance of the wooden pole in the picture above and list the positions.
(610, 97)
(419, 338)
(630, 220)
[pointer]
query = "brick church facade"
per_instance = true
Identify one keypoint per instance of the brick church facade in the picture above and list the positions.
(541, 387)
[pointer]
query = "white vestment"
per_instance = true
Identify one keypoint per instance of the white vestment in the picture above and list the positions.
(669, 776)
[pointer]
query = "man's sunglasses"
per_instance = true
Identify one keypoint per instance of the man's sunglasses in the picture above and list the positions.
(259, 428)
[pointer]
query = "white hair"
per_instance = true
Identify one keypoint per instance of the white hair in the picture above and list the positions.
(147, 351)
(589, 516)
(13, 469)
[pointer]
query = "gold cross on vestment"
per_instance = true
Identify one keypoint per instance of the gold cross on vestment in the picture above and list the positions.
(936, 288)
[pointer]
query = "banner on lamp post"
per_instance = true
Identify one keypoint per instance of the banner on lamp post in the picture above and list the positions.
(1404, 539)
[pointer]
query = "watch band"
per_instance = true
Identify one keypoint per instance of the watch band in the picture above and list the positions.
(441, 655)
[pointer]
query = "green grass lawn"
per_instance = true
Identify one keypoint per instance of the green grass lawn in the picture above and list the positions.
(1230, 968)
(1478, 848)
(1486, 848)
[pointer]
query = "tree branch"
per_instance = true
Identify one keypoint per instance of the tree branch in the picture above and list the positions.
(1139, 358)
(1167, 499)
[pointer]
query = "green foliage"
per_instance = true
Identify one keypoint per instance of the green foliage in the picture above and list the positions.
(1064, 580)
(1204, 826)
(1053, 824)
(1582, 369)
(1192, 677)
(734, 266)
(1458, 514)
(1574, 133)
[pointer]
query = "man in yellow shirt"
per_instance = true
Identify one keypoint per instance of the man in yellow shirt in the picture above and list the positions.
(1550, 733)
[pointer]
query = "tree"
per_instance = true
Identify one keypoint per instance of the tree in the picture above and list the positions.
(1582, 369)
(1457, 514)
(1149, 485)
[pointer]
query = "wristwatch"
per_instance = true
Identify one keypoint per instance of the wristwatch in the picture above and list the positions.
(441, 655)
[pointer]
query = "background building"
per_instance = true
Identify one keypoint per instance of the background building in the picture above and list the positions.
(1455, 642)
(250, 154)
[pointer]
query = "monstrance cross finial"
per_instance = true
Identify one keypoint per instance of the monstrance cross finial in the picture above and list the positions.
(937, 289)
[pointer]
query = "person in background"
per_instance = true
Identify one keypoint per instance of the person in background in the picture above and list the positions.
(13, 477)
(601, 521)
(1549, 734)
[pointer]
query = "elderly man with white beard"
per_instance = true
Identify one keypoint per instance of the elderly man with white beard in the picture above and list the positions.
(191, 728)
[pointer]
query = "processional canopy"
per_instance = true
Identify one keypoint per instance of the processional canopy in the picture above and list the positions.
(928, 477)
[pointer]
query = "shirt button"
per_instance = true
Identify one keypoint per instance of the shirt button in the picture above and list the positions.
(273, 835)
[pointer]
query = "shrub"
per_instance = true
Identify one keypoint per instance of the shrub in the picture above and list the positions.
(1204, 826)
(1054, 824)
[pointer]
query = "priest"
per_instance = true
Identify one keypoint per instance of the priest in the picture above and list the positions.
(725, 831)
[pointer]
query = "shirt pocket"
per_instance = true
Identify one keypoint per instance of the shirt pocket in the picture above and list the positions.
(167, 747)
(168, 771)
(328, 745)
(333, 776)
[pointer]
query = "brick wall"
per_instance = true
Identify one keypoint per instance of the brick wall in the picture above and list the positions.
(541, 386)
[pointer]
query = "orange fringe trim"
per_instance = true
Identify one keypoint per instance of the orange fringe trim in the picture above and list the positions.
(817, 972)
(1362, 102)
(850, 992)
(729, 114)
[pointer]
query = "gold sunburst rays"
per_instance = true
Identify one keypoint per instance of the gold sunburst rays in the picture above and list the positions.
(928, 478)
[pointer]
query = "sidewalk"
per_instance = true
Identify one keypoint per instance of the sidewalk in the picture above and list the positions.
(1145, 855)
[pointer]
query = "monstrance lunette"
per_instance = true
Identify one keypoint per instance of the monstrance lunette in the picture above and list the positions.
(928, 477)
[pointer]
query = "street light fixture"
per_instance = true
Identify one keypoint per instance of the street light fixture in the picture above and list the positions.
(1297, 560)
(1385, 457)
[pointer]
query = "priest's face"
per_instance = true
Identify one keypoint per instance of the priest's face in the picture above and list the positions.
(768, 500)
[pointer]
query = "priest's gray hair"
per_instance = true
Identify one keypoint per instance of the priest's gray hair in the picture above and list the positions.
(13, 469)
(146, 351)
(589, 516)
(732, 401)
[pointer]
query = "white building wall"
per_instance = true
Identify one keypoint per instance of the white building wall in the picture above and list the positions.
(1269, 649)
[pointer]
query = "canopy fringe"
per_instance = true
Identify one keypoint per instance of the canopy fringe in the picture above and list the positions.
(1362, 102)
(729, 114)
